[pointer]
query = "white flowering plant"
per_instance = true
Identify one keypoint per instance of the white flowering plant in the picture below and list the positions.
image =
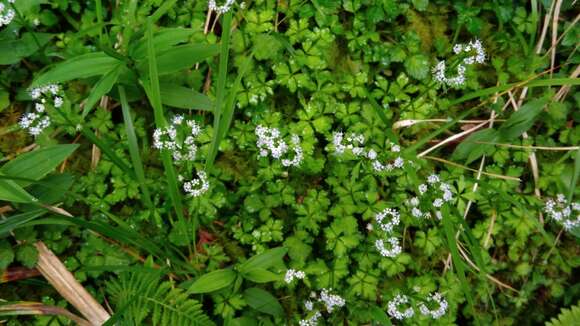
(290, 163)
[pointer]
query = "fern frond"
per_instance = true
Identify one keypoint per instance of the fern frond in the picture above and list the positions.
(143, 299)
(567, 317)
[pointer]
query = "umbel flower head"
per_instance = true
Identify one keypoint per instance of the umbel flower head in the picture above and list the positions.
(197, 186)
(394, 308)
(355, 143)
(270, 142)
(393, 249)
(559, 211)
(441, 303)
(45, 96)
(330, 302)
(475, 48)
(432, 196)
(212, 5)
(6, 14)
(178, 138)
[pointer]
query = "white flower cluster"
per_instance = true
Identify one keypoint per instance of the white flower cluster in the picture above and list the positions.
(439, 71)
(330, 301)
(212, 5)
(292, 274)
(441, 309)
(388, 227)
(355, 144)
(442, 193)
(562, 213)
(197, 186)
(178, 138)
(35, 122)
(393, 308)
(312, 321)
(270, 142)
(6, 14)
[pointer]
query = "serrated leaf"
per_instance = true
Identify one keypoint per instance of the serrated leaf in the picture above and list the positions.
(263, 301)
(213, 281)
(417, 66)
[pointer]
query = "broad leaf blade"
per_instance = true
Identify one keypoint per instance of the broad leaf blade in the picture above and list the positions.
(264, 260)
(12, 192)
(102, 87)
(182, 56)
(263, 301)
(522, 120)
(184, 98)
(37, 164)
(213, 281)
(82, 66)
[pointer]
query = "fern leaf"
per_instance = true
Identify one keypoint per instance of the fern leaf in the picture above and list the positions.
(144, 299)
(567, 317)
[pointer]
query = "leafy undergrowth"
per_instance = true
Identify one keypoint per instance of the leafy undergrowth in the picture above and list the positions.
(292, 162)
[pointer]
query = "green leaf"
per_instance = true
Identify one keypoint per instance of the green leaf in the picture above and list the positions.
(182, 56)
(380, 316)
(102, 87)
(12, 51)
(27, 255)
(184, 98)
(11, 191)
(82, 66)
(264, 260)
(260, 275)
(37, 164)
(522, 120)
(6, 254)
(417, 66)
(470, 149)
(213, 281)
(162, 41)
(15, 221)
(263, 301)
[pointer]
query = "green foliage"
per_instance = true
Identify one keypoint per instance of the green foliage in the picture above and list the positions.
(309, 69)
(567, 316)
(143, 298)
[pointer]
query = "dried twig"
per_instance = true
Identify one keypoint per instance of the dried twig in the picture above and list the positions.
(64, 282)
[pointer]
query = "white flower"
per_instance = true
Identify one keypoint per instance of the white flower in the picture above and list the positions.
(395, 219)
(422, 188)
(441, 309)
(197, 186)
(414, 201)
(312, 321)
(354, 142)
(416, 212)
(6, 14)
(292, 274)
(562, 213)
(438, 202)
(179, 139)
(393, 308)
(395, 247)
(309, 305)
(220, 9)
(331, 300)
(433, 179)
(58, 102)
(269, 141)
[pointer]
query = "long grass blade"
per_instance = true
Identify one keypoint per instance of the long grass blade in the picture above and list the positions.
(134, 148)
(154, 94)
(220, 91)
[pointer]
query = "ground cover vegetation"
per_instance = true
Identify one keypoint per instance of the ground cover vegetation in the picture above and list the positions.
(267, 162)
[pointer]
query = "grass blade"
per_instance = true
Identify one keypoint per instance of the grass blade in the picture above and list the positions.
(134, 148)
(154, 94)
(220, 91)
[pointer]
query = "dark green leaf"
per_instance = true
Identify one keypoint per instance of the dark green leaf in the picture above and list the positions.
(82, 66)
(263, 301)
(213, 281)
(521, 120)
(184, 98)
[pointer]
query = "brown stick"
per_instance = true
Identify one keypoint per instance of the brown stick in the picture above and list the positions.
(64, 282)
